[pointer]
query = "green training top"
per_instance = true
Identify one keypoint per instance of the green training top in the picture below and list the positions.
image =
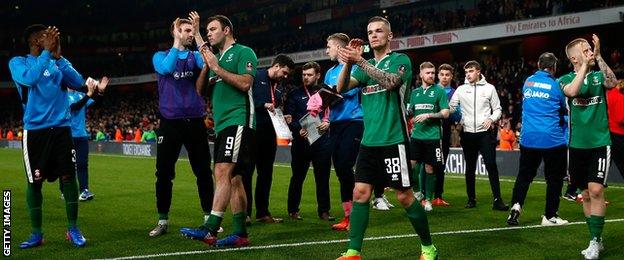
(384, 110)
(589, 126)
(231, 106)
(431, 100)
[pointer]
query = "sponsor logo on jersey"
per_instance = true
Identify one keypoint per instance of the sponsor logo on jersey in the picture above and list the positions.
(402, 69)
(249, 66)
(423, 107)
(183, 74)
(372, 89)
(601, 175)
(37, 175)
(229, 57)
(528, 93)
(539, 85)
(395, 177)
(584, 102)
(46, 73)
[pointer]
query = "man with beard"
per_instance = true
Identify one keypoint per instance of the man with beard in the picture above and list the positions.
(429, 105)
(302, 152)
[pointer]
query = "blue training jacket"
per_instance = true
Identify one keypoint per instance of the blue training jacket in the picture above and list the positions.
(350, 108)
(543, 112)
(42, 84)
(79, 116)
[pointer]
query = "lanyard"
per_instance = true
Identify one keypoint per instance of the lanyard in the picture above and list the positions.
(272, 89)
(306, 90)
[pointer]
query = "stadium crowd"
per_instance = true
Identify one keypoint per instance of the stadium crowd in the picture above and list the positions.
(136, 112)
(124, 51)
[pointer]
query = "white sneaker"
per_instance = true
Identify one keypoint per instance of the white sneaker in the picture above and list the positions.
(554, 221)
(385, 199)
(428, 206)
(419, 196)
(380, 204)
(600, 246)
(593, 250)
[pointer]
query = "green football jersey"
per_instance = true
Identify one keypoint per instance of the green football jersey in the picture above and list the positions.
(384, 110)
(589, 126)
(230, 106)
(431, 100)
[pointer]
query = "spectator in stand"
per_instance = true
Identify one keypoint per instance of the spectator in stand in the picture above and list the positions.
(507, 136)
(137, 134)
(149, 135)
(9, 135)
(100, 136)
(118, 135)
(615, 106)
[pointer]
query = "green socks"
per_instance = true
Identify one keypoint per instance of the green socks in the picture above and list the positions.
(596, 224)
(70, 192)
(430, 178)
(239, 226)
(418, 218)
(359, 222)
(34, 200)
(416, 178)
(214, 222)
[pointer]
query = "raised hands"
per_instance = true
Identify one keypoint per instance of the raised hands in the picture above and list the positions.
(209, 58)
(101, 87)
(596, 42)
(95, 85)
(177, 34)
(352, 53)
(194, 18)
(50, 39)
(91, 86)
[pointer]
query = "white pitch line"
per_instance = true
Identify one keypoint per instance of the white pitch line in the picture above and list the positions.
(325, 242)
(449, 175)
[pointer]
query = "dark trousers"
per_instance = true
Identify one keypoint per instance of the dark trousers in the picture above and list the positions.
(439, 171)
(266, 146)
(472, 145)
(302, 154)
(172, 134)
(617, 151)
(555, 163)
(81, 144)
(345, 138)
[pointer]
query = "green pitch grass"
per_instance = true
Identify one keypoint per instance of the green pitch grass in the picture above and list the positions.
(117, 221)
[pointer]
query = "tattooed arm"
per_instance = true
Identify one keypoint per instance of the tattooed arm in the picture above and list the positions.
(387, 80)
(610, 79)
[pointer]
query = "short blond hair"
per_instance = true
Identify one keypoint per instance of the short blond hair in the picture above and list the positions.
(426, 65)
(340, 37)
(573, 44)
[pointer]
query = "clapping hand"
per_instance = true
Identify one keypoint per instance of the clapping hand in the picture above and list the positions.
(49, 39)
(101, 87)
(352, 53)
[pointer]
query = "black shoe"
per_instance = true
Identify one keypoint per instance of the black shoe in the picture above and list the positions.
(295, 216)
(512, 220)
(325, 216)
(499, 205)
(470, 204)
